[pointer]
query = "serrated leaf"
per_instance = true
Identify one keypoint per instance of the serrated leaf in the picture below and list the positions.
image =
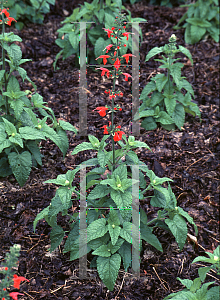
(16, 140)
(149, 123)
(126, 232)
(187, 86)
(178, 115)
(13, 85)
(178, 228)
(72, 238)
(102, 251)
(170, 105)
(154, 51)
(65, 194)
(74, 40)
(175, 71)
(20, 165)
(5, 144)
(101, 158)
(164, 118)
(121, 199)
(150, 87)
(96, 229)
(9, 127)
(188, 218)
(82, 147)
(51, 134)
(125, 252)
(40, 216)
(56, 237)
(114, 232)
(149, 237)
(199, 22)
(67, 126)
(30, 133)
(99, 191)
(17, 107)
(108, 268)
(161, 80)
(64, 145)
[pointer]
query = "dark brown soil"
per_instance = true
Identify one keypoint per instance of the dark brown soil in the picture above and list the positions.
(190, 157)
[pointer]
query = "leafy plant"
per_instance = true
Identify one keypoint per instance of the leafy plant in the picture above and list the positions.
(168, 103)
(101, 14)
(21, 128)
(202, 19)
(29, 10)
(194, 290)
(167, 3)
(214, 260)
(110, 184)
(11, 260)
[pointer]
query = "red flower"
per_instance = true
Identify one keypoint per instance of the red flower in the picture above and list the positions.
(121, 94)
(105, 129)
(108, 47)
(104, 58)
(108, 32)
(10, 20)
(14, 295)
(103, 72)
(6, 268)
(4, 11)
(126, 56)
(126, 76)
(17, 280)
(120, 109)
(111, 96)
(107, 92)
(125, 45)
(126, 34)
(102, 110)
(118, 135)
(113, 28)
(115, 108)
(117, 64)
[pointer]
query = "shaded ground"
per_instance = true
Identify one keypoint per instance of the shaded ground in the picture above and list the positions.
(189, 157)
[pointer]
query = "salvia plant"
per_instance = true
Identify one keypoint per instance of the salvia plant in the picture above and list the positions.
(9, 277)
(21, 128)
(110, 188)
(100, 14)
(195, 290)
(201, 20)
(171, 94)
(29, 11)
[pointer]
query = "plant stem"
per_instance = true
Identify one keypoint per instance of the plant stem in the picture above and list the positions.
(112, 121)
(152, 221)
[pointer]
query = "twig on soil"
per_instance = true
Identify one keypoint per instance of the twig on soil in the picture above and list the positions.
(160, 279)
(27, 294)
(120, 286)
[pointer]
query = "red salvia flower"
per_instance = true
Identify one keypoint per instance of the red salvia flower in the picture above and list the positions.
(118, 135)
(108, 47)
(103, 72)
(117, 64)
(10, 20)
(113, 28)
(126, 76)
(120, 109)
(108, 32)
(121, 94)
(111, 96)
(107, 92)
(102, 110)
(4, 11)
(17, 280)
(14, 295)
(6, 268)
(104, 58)
(126, 34)
(126, 56)
(105, 129)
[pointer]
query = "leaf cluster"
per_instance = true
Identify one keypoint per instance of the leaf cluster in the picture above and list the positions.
(110, 231)
(100, 15)
(29, 11)
(171, 94)
(194, 290)
(201, 19)
(23, 117)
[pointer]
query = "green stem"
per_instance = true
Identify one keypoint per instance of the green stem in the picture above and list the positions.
(152, 221)
(112, 122)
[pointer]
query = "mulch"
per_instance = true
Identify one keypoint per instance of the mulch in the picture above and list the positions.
(189, 157)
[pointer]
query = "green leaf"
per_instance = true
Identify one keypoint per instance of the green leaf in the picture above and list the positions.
(203, 271)
(74, 40)
(65, 194)
(145, 113)
(121, 199)
(154, 51)
(114, 232)
(178, 115)
(186, 282)
(101, 158)
(176, 72)
(64, 145)
(99, 191)
(109, 20)
(30, 133)
(72, 237)
(149, 123)
(102, 251)
(5, 169)
(17, 107)
(121, 171)
(52, 135)
(170, 105)
(40, 216)
(149, 237)
(186, 52)
(9, 127)
(198, 22)
(194, 34)
(125, 252)
(16, 140)
(161, 80)
(164, 118)
(188, 218)
(187, 86)
(126, 232)
(82, 147)
(178, 228)
(96, 229)
(150, 87)
(2, 72)
(100, 15)
(108, 268)
(56, 237)
(213, 293)
(156, 98)
(20, 165)
(67, 126)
